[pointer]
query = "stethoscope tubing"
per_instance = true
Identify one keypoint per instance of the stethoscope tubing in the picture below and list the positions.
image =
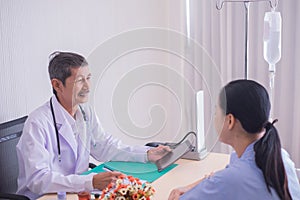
(56, 130)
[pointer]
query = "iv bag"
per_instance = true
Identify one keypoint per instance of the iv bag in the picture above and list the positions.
(272, 38)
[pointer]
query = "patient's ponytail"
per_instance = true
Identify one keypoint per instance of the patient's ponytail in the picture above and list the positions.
(268, 158)
(248, 101)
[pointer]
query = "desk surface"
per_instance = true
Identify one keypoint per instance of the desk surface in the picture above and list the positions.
(186, 172)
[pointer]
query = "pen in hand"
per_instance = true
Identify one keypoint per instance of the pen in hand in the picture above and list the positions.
(101, 180)
(108, 169)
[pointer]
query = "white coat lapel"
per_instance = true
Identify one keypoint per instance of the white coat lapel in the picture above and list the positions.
(67, 133)
(64, 127)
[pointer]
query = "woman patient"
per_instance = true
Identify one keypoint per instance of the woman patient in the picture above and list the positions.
(259, 168)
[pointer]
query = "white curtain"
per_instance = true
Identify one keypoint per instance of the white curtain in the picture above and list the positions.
(222, 34)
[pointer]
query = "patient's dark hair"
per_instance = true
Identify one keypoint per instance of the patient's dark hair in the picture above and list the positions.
(248, 101)
(61, 63)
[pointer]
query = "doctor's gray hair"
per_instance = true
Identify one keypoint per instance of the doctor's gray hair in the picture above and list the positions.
(61, 63)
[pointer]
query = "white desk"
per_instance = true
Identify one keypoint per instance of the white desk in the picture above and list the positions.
(186, 172)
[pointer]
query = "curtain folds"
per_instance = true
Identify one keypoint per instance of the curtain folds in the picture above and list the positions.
(221, 32)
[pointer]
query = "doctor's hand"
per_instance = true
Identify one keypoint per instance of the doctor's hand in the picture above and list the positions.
(156, 153)
(101, 180)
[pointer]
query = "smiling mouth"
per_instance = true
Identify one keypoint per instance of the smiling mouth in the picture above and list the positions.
(84, 94)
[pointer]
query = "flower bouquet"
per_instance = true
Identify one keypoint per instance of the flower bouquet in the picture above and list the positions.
(128, 188)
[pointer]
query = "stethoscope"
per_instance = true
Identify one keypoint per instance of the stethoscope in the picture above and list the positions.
(56, 130)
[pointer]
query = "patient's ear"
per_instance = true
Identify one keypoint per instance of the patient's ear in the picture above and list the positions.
(231, 121)
(56, 84)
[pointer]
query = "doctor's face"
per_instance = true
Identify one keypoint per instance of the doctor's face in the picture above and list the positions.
(77, 86)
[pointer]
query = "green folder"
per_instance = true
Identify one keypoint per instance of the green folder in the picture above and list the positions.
(143, 171)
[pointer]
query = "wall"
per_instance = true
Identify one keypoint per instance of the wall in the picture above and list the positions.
(32, 30)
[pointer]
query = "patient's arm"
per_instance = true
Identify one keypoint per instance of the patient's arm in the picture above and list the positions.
(177, 192)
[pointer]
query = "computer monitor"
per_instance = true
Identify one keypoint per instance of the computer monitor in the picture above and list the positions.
(200, 151)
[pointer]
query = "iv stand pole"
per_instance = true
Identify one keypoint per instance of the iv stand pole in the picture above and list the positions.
(219, 6)
(247, 5)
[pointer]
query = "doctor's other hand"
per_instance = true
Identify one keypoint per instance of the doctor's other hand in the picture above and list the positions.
(157, 153)
(101, 180)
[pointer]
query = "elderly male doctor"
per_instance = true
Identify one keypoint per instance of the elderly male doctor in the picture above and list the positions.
(59, 137)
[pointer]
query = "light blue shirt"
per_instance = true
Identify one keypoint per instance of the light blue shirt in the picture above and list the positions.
(242, 179)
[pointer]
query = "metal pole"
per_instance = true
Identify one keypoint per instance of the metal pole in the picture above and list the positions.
(247, 4)
(219, 5)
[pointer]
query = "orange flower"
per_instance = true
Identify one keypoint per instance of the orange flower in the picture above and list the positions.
(128, 188)
(110, 186)
(135, 196)
(122, 176)
(112, 196)
(141, 192)
(131, 179)
(102, 195)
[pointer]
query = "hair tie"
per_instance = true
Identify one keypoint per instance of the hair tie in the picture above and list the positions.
(268, 124)
(274, 121)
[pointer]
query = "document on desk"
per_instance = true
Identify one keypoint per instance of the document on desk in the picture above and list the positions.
(143, 171)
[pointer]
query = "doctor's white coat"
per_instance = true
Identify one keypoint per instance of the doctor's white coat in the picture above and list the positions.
(41, 172)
